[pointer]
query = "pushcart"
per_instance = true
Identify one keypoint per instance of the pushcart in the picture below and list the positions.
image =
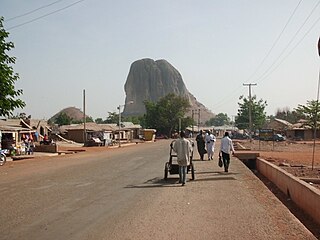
(172, 166)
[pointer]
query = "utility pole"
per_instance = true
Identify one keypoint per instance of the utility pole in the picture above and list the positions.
(192, 122)
(316, 114)
(198, 119)
(196, 112)
(84, 118)
(250, 106)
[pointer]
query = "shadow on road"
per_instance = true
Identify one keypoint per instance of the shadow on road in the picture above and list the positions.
(157, 182)
(174, 181)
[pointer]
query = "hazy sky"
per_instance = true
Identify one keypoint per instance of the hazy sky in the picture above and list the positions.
(217, 46)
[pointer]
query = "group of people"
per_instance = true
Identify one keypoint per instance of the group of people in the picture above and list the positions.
(205, 144)
(27, 143)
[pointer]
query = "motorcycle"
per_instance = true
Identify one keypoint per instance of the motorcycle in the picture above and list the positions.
(3, 157)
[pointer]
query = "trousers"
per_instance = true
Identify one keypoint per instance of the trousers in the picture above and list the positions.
(182, 174)
(226, 160)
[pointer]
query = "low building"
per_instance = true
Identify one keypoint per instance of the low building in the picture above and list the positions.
(108, 133)
(13, 132)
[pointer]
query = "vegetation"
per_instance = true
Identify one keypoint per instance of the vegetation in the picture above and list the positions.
(257, 113)
(64, 119)
(113, 117)
(289, 116)
(166, 115)
(310, 113)
(8, 94)
(220, 119)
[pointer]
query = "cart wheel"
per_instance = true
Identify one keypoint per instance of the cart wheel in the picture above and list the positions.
(3, 160)
(166, 171)
(192, 171)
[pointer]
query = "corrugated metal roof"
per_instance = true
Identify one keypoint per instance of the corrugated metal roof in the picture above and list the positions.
(284, 122)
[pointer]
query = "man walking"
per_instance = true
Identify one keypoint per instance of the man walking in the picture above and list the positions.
(201, 144)
(183, 148)
(225, 149)
(210, 142)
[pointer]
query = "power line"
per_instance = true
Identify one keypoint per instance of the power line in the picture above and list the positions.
(268, 72)
(45, 15)
(277, 40)
(32, 11)
(290, 52)
(264, 59)
(263, 76)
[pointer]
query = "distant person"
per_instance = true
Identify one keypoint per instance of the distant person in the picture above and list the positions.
(30, 147)
(225, 149)
(36, 136)
(201, 144)
(46, 140)
(210, 142)
(183, 148)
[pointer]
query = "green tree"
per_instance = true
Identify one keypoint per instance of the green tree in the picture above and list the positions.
(88, 119)
(63, 119)
(133, 119)
(310, 112)
(258, 114)
(8, 94)
(166, 114)
(218, 120)
(290, 116)
(113, 117)
(99, 120)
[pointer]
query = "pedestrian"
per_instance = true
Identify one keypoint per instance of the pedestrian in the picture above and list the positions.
(210, 142)
(201, 144)
(225, 149)
(183, 148)
(36, 136)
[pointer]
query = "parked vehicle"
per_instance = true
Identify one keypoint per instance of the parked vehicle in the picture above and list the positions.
(279, 138)
(236, 135)
(275, 137)
(3, 157)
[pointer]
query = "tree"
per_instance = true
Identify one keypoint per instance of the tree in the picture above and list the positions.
(133, 119)
(219, 120)
(257, 113)
(88, 119)
(310, 112)
(99, 120)
(113, 117)
(8, 94)
(286, 114)
(63, 119)
(165, 114)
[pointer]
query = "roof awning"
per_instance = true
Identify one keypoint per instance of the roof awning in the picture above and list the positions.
(11, 129)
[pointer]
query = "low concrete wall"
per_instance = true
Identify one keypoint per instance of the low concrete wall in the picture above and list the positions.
(305, 196)
(53, 148)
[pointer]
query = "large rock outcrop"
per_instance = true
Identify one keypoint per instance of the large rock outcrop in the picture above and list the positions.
(151, 80)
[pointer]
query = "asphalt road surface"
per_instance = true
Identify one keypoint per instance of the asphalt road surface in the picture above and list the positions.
(120, 194)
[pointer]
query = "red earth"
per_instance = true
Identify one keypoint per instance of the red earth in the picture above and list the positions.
(300, 158)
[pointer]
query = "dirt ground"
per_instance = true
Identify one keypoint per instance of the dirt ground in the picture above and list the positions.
(299, 158)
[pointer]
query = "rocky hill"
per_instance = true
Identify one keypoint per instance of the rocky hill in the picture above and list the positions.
(150, 80)
(74, 113)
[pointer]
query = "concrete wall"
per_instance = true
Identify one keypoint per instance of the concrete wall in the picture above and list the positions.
(52, 148)
(300, 192)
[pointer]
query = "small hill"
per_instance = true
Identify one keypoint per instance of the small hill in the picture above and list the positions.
(74, 113)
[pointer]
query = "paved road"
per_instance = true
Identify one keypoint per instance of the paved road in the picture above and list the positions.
(120, 194)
